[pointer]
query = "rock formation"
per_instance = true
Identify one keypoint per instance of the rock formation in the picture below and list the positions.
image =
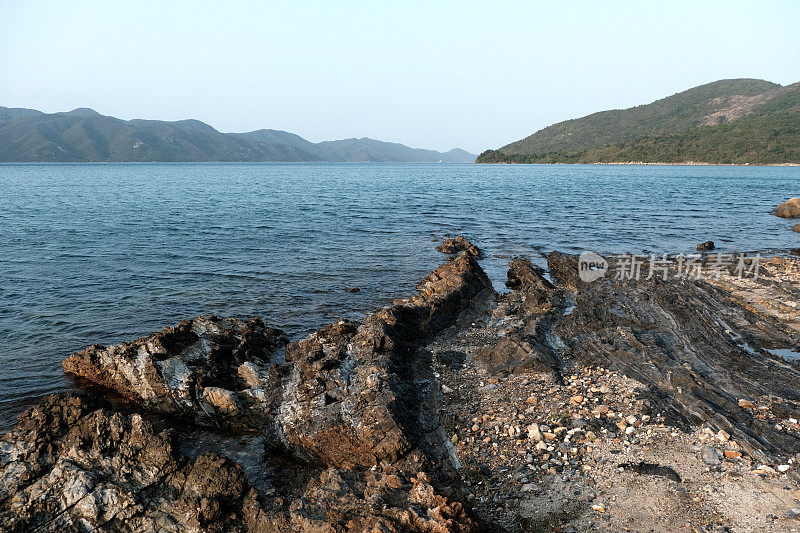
(788, 209)
(72, 464)
(459, 244)
(697, 349)
(356, 404)
(213, 370)
(349, 423)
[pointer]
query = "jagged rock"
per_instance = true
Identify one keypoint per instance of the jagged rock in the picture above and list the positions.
(694, 346)
(360, 396)
(788, 209)
(346, 500)
(459, 244)
(537, 292)
(705, 246)
(348, 395)
(213, 370)
(73, 464)
(530, 310)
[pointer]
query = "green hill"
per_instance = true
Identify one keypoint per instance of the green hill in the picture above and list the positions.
(82, 135)
(729, 121)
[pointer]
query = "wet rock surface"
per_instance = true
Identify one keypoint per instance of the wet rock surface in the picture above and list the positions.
(656, 404)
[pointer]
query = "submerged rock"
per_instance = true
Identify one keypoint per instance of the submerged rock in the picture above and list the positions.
(459, 244)
(788, 209)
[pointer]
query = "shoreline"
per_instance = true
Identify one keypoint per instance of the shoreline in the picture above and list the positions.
(642, 163)
(573, 411)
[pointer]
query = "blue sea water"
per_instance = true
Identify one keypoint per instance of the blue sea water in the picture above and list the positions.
(103, 253)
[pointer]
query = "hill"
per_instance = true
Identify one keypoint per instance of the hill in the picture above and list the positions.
(728, 121)
(81, 135)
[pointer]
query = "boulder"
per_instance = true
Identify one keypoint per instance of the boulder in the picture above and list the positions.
(788, 209)
(796, 228)
(459, 244)
(705, 246)
(209, 369)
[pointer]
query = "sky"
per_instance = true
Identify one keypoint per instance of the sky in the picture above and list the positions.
(439, 75)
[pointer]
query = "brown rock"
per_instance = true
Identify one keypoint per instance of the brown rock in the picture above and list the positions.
(71, 464)
(788, 209)
(208, 369)
(459, 244)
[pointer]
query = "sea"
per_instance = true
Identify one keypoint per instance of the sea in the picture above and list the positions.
(104, 253)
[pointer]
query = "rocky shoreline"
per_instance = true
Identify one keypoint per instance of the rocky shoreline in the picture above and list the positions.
(650, 404)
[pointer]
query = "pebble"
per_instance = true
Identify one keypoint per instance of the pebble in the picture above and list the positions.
(710, 455)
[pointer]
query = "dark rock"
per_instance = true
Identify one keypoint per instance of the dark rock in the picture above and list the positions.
(705, 246)
(459, 244)
(537, 293)
(511, 356)
(653, 469)
(683, 340)
(353, 290)
(788, 209)
(529, 313)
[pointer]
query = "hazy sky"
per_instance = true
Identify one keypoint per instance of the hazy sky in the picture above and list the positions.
(428, 74)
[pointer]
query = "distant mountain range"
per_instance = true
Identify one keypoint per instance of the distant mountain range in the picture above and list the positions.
(82, 135)
(728, 121)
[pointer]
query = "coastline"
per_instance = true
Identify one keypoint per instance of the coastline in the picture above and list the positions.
(642, 163)
(540, 407)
